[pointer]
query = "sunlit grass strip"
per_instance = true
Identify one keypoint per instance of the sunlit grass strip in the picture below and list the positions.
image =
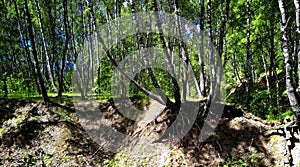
(35, 96)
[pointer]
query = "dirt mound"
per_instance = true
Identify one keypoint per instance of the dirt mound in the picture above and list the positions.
(40, 134)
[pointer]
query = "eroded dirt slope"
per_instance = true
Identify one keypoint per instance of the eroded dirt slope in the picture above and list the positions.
(40, 134)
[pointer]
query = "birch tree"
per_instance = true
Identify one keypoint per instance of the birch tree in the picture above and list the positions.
(34, 52)
(40, 20)
(285, 29)
(248, 71)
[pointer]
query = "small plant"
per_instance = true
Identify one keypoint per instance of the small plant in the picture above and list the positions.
(235, 162)
(110, 163)
(47, 158)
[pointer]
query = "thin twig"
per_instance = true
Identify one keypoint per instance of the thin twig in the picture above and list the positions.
(250, 144)
(220, 147)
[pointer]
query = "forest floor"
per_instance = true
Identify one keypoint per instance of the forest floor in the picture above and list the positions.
(50, 134)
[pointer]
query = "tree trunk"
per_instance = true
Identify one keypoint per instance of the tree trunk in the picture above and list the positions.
(95, 43)
(26, 49)
(65, 50)
(287, 59)
(34, 52)
(272, 67)
(248, 72)
(219, 72)
(210, 58)
(201, 51)
(296, 2)
(40, 19)
(183, 54)
(5, 86)
(53, 56)
(288, 72)
(175, 86)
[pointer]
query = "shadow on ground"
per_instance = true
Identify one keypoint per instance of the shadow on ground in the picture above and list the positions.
(45, 134)
(49, 134)
(236, 141)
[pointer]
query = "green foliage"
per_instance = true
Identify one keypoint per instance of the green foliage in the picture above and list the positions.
(235, 162)
(248, 159)
(47, 158)
(263, 104)
(163, 78)
(16, 61)
(260, 103)
(110, 163)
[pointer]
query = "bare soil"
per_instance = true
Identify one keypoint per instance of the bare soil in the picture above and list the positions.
(50, 134)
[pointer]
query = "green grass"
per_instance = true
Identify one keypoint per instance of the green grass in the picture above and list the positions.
(38, 98)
